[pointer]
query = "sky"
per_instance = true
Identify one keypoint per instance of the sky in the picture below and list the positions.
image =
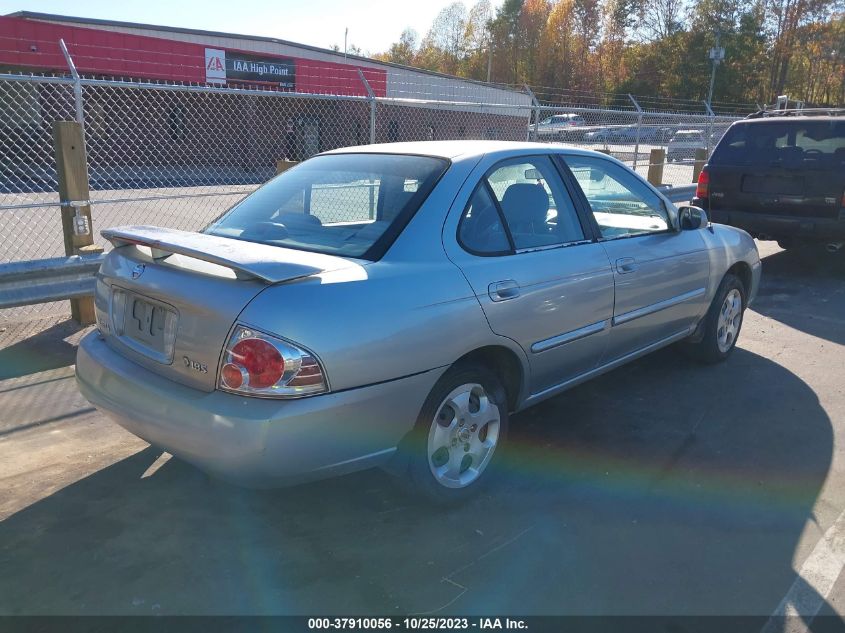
(373, 24)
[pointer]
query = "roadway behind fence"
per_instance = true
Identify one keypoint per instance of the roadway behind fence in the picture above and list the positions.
(180, 155)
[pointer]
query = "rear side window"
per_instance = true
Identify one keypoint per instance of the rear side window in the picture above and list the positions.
(521, 204)
(537, 208)
(788, 143)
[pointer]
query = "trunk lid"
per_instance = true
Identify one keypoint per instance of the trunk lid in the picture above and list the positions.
(168, 299)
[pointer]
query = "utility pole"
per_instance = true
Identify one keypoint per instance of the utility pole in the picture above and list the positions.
(345, 36)
(717, 54)
(489, 52)
(489, 61)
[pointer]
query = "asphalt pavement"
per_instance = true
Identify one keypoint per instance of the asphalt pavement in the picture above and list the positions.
(663, 487)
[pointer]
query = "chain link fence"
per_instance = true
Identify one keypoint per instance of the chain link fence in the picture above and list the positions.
(180, 155)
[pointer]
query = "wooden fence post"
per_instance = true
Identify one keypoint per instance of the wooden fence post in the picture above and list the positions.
(700, 159)
(72, 172)
(283, 165)
(656, 162)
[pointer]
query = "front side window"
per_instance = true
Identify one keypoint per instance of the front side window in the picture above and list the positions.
(520, 204)
(339, 204)
(622, 205)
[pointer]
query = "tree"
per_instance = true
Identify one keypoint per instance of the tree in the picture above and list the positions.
(531, 24)
(477, 41)
(659, 19)
(642, 47)
(506, 43)
(785, 18)
(445, 39)
(816, 72)
(403, 51)
(618, 17)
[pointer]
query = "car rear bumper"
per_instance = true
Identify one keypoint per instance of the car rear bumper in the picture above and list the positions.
(782, 226)
(252, 441)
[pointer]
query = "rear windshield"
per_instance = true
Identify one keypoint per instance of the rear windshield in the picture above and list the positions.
(339, 204)
(789, 143)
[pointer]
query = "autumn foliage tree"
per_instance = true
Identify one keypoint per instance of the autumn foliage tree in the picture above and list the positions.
(645, 47)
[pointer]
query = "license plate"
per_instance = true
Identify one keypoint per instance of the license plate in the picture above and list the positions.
(145, 322)
(149, 326)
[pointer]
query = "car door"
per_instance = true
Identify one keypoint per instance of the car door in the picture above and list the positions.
(660, 273)
(539, 277)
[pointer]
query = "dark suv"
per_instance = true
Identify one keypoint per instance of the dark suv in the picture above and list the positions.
(780, 175)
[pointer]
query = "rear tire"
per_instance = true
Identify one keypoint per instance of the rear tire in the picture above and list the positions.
(456, 446)
(721, 324)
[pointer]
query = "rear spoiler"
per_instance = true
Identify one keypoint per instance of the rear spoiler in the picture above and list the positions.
(249, 260)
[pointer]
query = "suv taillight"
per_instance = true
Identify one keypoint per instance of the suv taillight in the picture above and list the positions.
(257, 364)
(702, 189)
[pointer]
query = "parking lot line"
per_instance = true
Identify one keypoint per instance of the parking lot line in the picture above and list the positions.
(814, 582)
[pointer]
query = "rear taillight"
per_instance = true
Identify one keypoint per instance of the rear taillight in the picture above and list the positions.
(255, 363)
(702, 189)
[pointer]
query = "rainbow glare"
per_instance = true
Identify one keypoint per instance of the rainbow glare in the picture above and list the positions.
(701, 482)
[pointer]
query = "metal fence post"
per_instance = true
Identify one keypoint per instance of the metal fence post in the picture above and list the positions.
(77, 84)
(372, 98)
(711, 124)
(74, 198)
(535, 129)
(639, 125)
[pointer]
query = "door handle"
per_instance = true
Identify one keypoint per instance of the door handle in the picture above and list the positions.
(625, 265)
(503, 290)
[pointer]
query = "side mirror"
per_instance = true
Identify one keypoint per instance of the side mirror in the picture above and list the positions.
(692, 218)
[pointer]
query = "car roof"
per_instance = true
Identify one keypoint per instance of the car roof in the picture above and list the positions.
(790, 119)
(464, 149)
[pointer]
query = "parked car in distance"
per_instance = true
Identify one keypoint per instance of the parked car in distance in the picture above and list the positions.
(655, 133)
(623, 134)
(600, 134)
(558, 123)
(392, 305)
(780, 176)
(683, 144)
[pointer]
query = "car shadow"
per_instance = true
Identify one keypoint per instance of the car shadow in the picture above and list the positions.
(660, 488)
(804, 288)
(23, 353)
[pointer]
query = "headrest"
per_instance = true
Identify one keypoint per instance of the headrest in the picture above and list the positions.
(525, 204)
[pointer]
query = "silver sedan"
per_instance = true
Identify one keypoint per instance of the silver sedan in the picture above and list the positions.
(393, 304)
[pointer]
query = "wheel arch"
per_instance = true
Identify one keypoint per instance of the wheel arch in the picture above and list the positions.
(742, 271)
(507, 366)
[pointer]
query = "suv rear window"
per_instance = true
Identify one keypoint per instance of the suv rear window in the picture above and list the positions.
(793, 143)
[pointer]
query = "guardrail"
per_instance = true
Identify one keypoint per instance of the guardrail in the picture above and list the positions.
(679, 194)
(43, 280)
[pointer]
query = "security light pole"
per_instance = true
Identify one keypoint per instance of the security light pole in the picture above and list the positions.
(345, 36)
(717, 54)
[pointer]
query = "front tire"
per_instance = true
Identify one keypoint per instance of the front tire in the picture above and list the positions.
(456, 445)
(722, 323)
